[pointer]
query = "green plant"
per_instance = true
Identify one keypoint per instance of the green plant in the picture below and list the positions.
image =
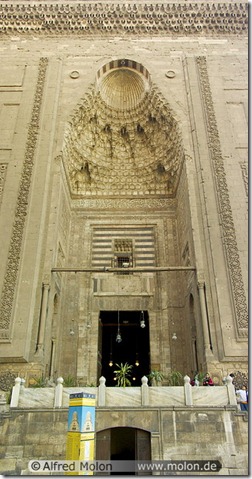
(155, 377)
(40, 382)
(122, 374)
(175, 378)
(200, 377)
(69, 381)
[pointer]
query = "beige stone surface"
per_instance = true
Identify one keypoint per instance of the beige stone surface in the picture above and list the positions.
(131, 120)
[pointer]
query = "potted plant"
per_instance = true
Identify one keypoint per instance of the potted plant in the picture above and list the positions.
(70, 381)
(122, 374)
(175, 378)
(155, 377)
(39, 382)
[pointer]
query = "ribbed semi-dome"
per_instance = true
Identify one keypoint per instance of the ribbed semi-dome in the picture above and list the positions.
(123, 84)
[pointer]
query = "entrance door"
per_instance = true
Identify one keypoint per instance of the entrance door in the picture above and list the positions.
(123, 444)
(133, 346)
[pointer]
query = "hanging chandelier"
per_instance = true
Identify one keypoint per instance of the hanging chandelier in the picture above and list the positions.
(142, 322)
(118, 336)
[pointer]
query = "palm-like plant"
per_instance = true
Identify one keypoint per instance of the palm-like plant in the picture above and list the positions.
(122, 374)
(175, 378)
(155, 377)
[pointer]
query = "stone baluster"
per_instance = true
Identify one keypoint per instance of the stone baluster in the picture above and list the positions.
(58, 397)
(231, 391)
(144, 391)
(102, 392)
(188, 391)
(15, 393)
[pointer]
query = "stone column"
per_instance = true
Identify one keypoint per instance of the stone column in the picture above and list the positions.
(45, 294)
(202, 297)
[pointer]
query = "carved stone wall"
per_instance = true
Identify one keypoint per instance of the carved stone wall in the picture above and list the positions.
(11, 274)
(133, 18)
(229, 234)
(122, 167)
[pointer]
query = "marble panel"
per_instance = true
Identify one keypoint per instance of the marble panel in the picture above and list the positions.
(166, 396)
(210, 396)
(123, 397)
(36, 398)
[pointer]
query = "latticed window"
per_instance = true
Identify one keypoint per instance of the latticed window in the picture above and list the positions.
(123, 255)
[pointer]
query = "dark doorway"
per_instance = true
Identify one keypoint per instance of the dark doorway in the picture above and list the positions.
(133, 348)
(123, 444)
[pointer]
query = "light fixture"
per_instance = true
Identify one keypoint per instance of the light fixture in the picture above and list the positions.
(137, 360)
(118, 336)
(174, 337)
(71, 332)
(110, 354)
(142, 322)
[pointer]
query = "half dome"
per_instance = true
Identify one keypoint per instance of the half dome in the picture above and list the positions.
(123, 84)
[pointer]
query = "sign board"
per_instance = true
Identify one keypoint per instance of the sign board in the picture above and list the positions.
(81, 429)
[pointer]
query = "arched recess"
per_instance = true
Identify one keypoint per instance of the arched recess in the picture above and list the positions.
(123, 141)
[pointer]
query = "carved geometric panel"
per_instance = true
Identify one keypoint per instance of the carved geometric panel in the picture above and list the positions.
(120, 18)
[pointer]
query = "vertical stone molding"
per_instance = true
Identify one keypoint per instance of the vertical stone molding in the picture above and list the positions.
(244, 169)
(227, 222)
(14, 254)
(3, 171)
(202, 298)
(43, 314)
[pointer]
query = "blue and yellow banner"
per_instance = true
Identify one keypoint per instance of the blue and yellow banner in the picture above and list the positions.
(81, 429)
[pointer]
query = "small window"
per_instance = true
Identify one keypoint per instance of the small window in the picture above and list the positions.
(123, 255)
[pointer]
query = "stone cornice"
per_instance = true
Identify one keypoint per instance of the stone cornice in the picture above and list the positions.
(118, 18)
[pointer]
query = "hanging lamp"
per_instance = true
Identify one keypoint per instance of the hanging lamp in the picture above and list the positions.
(142, 322)
(118, 336)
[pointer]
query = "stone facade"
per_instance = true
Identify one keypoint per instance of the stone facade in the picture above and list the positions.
(123, 135)
(172, 430)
